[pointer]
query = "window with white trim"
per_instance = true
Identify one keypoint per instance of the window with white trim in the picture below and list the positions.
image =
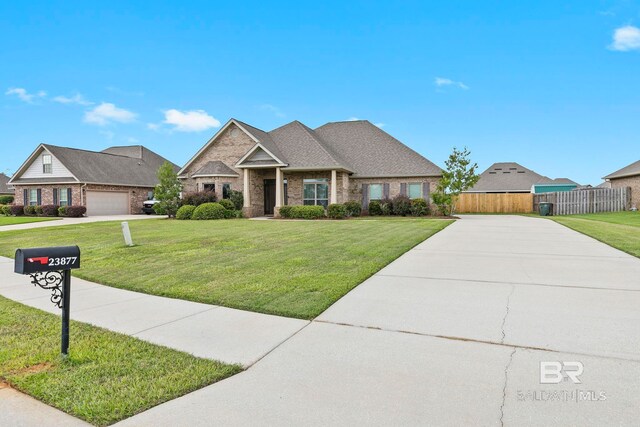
(46, 163)
(415, 190)
(63, 197)
(316, 192)
(33, 197)
(375, 192)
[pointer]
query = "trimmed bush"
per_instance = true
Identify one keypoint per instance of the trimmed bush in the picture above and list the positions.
(387, 206)
(337, 211)
(375, 208)
(237, 198)
(419, 207)
(6, 200)
(17, 210)
(62, 211)
(198, 198)
(401, 205)
(238, 214)
(208, 211)
(185, 212)
(29, 210)
(76, 211)
(302, 212)
(6, 210)
(353, 208)
(49, 210)
(227, 204)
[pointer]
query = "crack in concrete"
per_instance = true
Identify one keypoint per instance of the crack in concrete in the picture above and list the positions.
(504, 388)
(504, 319)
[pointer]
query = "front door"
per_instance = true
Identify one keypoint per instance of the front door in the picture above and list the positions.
(269, 196)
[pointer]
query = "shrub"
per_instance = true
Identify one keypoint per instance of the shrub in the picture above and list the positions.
(208, 211)
(419, 207)
(62, 211)
(6, 210)
(237, 198)
(353, 208)
(6, 200)
(375, 208)
(337, 211)
(227, 204)
(198, 198)
(76, 211)
(49, 210)
(29, 210)
(387, 206)
(302, 212)
(1, 209)
(401, 205)
(39, 210)
(185, 212)
(238, 214)
(17, 210)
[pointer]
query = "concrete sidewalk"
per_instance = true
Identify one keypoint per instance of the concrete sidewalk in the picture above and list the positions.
(72, 221)
(210, 331)
(453, 333)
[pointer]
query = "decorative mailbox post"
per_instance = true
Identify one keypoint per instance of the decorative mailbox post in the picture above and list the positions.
(50, 268)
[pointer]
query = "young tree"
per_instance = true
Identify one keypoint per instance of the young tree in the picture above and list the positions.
(167, 192)
(459, 175)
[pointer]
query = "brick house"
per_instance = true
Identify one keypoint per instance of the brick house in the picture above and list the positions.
(296, 165)
(111, 182)
(628, 176)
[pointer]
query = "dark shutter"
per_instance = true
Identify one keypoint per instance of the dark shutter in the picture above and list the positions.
(365, 196)
(425, 191)
(39, 197)
(69, 197)
(55, 196)
(403, 188)
(385, 190)
(25, 196)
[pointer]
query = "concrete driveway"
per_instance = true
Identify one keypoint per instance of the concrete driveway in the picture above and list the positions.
(454, 333)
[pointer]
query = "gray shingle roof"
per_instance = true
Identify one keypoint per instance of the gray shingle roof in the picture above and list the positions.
(630, 170)
(215, 167)
(4, 189)
(130, 165)
(264, 138)
(508, 177)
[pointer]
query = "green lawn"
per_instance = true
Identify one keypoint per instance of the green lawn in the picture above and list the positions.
(11, 220)
(107, 376)
(618, 229)
(288, 268)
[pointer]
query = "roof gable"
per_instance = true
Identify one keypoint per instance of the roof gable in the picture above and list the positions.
(508, 177)
(629, 170)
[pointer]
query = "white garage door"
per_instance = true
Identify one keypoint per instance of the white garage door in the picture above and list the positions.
(107, 203)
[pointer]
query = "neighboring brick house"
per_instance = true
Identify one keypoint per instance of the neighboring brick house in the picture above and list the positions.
(5, 189)
(628, 176)
(511, 177)
(295, 165)
(111, 182)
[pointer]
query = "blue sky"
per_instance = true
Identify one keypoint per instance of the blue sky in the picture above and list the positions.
(552, 85)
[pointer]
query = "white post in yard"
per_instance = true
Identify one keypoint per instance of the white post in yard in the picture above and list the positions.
(334, 187)
(247, 192)
(127, 234)
(279, 188)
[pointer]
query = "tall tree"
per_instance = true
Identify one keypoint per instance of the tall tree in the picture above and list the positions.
(459, 175)
(167, 192)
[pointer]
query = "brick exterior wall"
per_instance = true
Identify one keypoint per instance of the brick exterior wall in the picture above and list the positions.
(137, 195)
(630, 181)
(355, 185)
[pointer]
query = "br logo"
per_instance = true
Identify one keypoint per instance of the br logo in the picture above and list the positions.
(555, 372)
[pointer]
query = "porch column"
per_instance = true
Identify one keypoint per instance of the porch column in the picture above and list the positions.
(247, 189)
(279, 188)
(334, 187)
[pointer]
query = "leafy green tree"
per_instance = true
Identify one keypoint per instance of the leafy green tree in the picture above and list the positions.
(167, 192)
(459, 175)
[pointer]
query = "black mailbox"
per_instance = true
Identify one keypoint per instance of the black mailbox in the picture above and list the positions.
(36, 260)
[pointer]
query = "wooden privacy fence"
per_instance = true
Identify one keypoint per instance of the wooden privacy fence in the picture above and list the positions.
(494, 203)
(586, 201)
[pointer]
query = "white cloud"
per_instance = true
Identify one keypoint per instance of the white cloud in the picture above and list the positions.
(24, 95)
(442, 81)
(352, 119)
(190, 121)
(380, 125)
(75, 99)
(132, 140)
(626, 38)
(273, 109)
(106, 113)
(153, 126)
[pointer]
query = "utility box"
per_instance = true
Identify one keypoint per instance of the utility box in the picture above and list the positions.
(546, 209)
